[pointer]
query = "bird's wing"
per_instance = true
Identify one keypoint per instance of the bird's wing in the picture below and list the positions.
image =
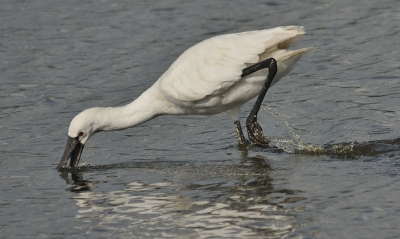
(211, 67)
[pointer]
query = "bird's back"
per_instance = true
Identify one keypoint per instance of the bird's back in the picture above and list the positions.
(209, 73)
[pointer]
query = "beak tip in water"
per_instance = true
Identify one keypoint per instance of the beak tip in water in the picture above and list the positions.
(73, 151)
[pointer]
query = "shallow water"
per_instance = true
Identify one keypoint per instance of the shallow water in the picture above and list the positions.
(332, 170)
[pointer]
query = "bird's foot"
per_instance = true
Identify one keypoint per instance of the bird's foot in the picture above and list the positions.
(245, 145)
(256, 134)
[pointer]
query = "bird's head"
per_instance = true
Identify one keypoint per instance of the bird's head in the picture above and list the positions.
(82, 127)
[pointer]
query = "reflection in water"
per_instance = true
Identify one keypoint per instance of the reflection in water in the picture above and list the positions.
(224, 201)
(77, 182)
(175, 199)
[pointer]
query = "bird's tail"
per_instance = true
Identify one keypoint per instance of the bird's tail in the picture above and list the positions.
(285, 55)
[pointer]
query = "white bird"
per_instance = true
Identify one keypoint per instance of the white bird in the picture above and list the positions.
(216, 75)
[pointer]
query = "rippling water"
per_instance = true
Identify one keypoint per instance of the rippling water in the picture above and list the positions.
(332, 170)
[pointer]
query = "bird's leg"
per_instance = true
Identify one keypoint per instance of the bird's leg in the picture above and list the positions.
(256, 67)
(253, 128)
(243, 143)
(239, 132)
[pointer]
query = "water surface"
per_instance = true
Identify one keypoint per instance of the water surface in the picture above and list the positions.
(332, 170)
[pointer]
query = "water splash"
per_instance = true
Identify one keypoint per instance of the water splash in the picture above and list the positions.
(283, 137)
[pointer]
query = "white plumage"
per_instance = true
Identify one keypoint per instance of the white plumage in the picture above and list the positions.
(205, 79)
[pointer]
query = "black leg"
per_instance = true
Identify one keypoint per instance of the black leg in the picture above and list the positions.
(256, 67)
(239, 132)
(253, 128)
(245, 72)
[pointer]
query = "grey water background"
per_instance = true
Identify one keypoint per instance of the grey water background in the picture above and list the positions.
(333, 170)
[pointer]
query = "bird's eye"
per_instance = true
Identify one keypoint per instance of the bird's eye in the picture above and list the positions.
(80, 133)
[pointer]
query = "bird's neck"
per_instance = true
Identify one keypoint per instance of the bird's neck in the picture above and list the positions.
(147, 106)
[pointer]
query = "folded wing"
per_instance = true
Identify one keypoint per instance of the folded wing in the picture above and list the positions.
(213, 66)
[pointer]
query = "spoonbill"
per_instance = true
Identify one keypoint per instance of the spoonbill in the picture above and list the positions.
(216, 75)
